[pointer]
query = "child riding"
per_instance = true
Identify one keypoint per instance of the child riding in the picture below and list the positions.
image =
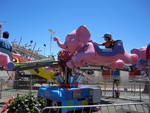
(109, 41)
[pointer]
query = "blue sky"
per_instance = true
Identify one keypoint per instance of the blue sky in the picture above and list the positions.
(126, 20)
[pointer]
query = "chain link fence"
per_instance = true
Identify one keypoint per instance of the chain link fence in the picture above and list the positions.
(136, 90)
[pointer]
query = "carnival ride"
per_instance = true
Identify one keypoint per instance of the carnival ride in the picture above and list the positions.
(5, 59)
(84, 52)
(36, 67)
(89, 52)
(142, 63)
(68, 92)
(19, 58)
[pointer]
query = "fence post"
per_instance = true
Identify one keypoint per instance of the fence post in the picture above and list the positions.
(105, 87)
(113, 89)
(1, 89)
(16, 81)
(134, 86)
(140, 90)
(30, 84)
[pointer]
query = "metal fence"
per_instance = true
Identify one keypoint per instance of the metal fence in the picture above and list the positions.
(135, 89)
(14, 87)
(109, 108)
(129, 90)
(132, 90)
(141, 107)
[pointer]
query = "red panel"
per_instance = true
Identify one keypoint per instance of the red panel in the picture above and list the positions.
(138, 72)
(148, 52)
(132, 73)
(106, 75)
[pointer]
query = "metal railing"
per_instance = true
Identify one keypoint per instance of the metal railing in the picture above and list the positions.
(106, 108)
(128, 90)
(141, 107)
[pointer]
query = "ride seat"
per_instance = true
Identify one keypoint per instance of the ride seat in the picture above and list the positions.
(110, 49)
(7, 52)
(107, 50)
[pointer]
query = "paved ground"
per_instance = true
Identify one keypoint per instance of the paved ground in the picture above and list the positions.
(126, 97)
(106, 100)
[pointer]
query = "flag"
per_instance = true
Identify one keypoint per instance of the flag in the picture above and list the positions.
(3, 22)
(1, 25)
(50, 30)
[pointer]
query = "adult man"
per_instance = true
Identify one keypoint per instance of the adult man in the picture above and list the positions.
(5, 43)
(4, 57)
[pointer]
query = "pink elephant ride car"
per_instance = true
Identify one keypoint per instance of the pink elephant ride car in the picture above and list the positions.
(142, 63)
(5, 59)
(89, 52)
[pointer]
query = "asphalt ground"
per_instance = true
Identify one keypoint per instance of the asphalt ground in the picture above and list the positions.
(105, 100)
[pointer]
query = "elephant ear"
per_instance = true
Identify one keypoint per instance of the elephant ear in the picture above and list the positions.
(135, 51)
(83, 34)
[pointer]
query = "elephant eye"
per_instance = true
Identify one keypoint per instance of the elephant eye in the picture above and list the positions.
(72, 39)
(67, 38)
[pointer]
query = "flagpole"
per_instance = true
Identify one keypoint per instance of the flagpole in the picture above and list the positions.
(51, 44)
(33, 50)
(52, 32)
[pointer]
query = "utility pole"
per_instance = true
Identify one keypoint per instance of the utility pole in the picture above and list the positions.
(44, 48)
(52, 32)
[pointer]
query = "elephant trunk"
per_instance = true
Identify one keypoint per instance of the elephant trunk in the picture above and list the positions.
(61, 45)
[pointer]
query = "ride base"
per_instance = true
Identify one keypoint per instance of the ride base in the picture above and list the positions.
(69, 94)
(63, 96)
